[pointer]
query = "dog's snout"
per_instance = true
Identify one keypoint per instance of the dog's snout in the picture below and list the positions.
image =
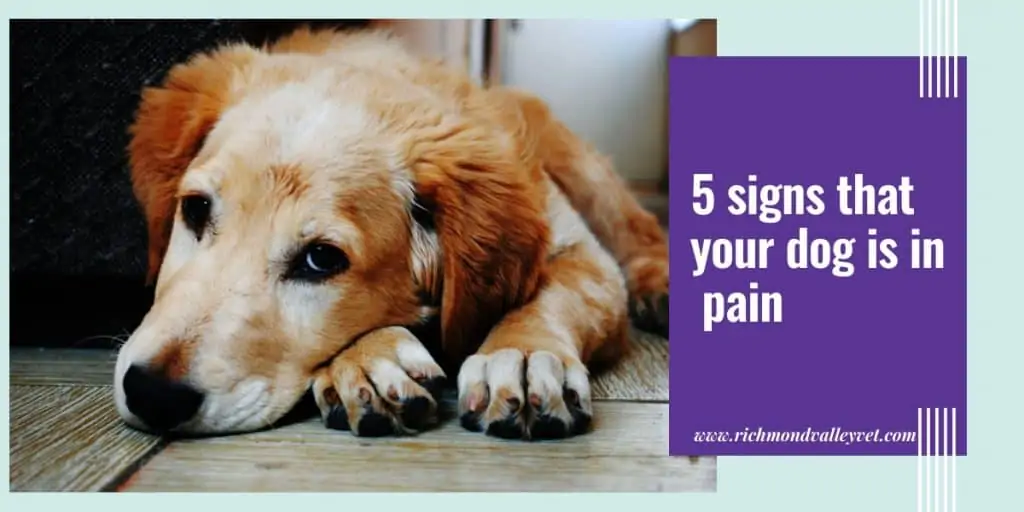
(158, 401)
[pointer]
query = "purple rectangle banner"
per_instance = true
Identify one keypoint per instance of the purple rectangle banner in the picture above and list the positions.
(819, 257)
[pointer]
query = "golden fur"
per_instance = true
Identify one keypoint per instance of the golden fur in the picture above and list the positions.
(532, 254)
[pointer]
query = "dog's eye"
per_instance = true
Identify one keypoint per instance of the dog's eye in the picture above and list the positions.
(318, 261)
(195, 210)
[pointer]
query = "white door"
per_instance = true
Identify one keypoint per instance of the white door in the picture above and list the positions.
(607, 80)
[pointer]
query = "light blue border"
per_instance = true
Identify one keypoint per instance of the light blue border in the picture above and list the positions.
(987, 30)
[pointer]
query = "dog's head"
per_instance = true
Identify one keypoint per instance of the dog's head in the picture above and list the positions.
(297, 198)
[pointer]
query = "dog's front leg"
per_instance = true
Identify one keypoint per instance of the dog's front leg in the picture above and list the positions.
(529, 379)
(386, 383)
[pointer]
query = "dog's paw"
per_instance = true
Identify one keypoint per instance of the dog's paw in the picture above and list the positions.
(509, 395)
(375, 393)
(648, 294)
(650, 313)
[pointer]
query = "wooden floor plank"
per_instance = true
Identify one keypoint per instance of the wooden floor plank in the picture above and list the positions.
(60, 367)
(641, 376)
(625, 452)
(70, 438)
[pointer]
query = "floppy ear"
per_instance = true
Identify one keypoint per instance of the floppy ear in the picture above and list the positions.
(168, 132)
(488, 216)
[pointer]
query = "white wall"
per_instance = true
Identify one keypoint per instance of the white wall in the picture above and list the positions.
(607, 80)
(447, 39)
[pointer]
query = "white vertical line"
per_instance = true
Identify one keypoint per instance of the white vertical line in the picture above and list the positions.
(938, 437)
(927, 465)
(956, 87)
(929, 25)
(945, 434)
(952, 489)
(919, 460)
(920, 92)
(938, 78)
(938, 412)
(945, 59)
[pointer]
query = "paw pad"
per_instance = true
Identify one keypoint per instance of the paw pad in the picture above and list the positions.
(375, 424)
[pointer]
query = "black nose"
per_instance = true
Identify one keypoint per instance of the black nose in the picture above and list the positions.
(160, 403)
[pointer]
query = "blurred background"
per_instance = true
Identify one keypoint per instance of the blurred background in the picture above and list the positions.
(606, 79)
(78, 242)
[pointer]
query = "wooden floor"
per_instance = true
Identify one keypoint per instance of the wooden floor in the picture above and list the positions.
(66, 436)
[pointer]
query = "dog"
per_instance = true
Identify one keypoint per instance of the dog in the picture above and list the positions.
(310, 203)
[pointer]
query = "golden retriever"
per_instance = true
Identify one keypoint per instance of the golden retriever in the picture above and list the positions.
(311, 202)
